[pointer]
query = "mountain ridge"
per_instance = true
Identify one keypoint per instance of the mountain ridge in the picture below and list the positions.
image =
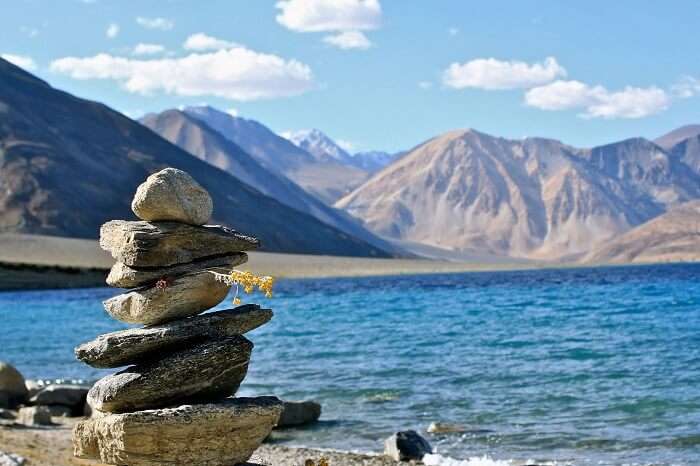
(70, 164)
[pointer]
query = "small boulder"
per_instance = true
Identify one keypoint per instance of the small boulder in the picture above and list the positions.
(172, 194)
(445, 428)
(297, 413)
(13, 391)
(72, 396)
(406, 445)
(34, 416)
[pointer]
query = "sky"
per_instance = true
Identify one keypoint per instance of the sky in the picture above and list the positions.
(377, 74)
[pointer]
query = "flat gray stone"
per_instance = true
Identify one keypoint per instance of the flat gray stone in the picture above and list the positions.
(204, 372)
(123, 276)
(162, 244)
(72, 396)
(34, 416)
(132, 346)
(298, 413)
(11, 459)
(172, 194)
(185, 296)
(216, 434)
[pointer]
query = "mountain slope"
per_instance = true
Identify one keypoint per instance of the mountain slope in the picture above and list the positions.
(671, 237)
(373, 161)
(319, 145)
(197, 138)
(533, 198)
(326, 179)
(672, 138)
(687, 152)
(67, 165)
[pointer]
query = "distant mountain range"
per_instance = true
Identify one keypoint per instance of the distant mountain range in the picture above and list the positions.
(190, 133)
(533, 198)
(67, 165)
(316, 143)
(326, 178)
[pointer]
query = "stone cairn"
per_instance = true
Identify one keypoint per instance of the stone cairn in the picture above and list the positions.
(173, 405)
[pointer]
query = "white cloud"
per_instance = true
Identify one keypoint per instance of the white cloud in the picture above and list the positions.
(22, 61)
(349, 40)
(201, 41)
(148, 49)
(453, 31)
(686, 87)
(237, 74)
(329, 15)
(597, 101)
(490, 74)
(112, 30)
(164, 24)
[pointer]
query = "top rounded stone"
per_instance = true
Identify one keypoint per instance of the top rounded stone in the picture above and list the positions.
(172, 194)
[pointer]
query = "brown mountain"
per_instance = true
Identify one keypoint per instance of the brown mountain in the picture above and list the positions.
(531, 198)
(671, 237)
(670, 139)
(67, 165)
(197, 138)
(326, 178)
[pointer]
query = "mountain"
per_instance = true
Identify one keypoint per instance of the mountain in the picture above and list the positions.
(668, 140)
(531, 198)
(197, 138)
(326, 179)
(671, 237)
(319, 145)
(687, 152)
(373, 161)
(316, 143)
(67, 165)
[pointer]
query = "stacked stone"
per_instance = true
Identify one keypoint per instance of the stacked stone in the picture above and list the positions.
(173, 404)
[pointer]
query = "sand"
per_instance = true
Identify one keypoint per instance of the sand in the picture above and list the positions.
(52, 446)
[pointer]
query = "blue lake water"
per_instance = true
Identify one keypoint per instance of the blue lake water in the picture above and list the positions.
(578, 366)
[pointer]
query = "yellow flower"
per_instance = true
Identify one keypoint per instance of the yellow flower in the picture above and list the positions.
(249, 281)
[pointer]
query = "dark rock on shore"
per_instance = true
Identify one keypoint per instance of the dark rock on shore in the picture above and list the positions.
(185, 296)
(207, 371)
(123, 276)
(162, 244)
(72, 396)
(406, 445)
(13, 390)
(135, 345)
(297, 413)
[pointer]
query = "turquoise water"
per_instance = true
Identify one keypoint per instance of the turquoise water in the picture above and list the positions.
(581, 366)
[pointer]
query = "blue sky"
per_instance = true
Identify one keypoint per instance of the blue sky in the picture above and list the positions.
(378, 74)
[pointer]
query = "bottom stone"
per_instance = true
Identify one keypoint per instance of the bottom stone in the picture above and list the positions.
(217, 434)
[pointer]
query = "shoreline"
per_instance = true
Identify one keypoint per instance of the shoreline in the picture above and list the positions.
(30, 262)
